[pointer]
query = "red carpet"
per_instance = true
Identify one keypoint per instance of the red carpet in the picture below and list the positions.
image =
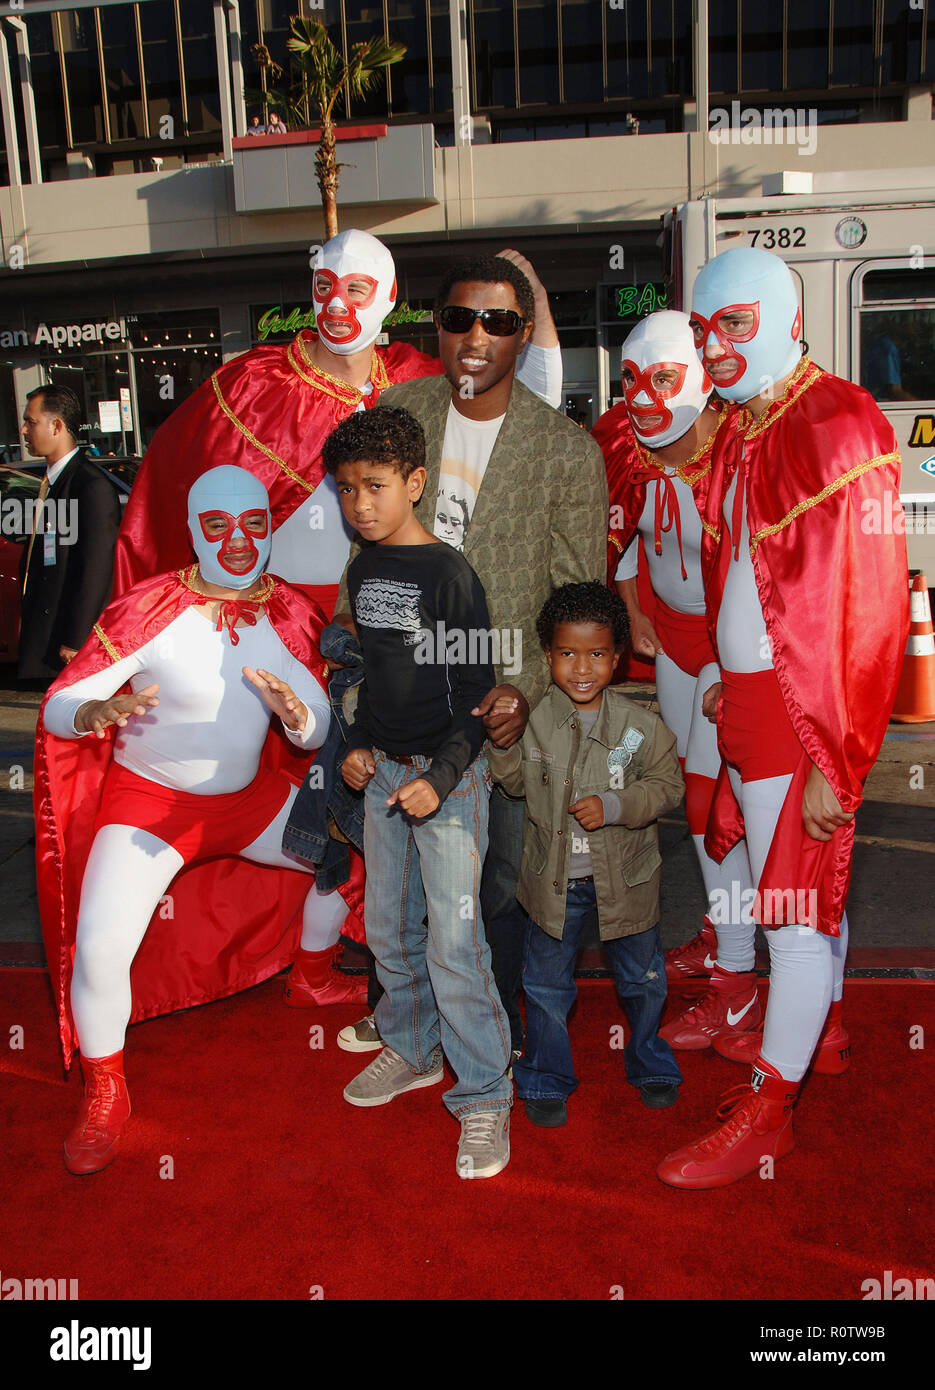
(280, 1187)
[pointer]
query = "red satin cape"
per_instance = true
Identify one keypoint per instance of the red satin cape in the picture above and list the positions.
(226, 924)
(269, 411)
(835, 598)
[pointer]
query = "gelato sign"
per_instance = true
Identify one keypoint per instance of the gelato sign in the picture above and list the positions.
(65, 335)
(275, 321)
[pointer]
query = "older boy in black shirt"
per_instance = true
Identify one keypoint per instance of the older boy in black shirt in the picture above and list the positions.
(424, 630)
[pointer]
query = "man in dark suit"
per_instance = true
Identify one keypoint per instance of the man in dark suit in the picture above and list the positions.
(68, 561)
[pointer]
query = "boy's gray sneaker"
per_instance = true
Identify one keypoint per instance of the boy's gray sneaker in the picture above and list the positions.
(360, 1037)
(484, 1147)
(387, 1077)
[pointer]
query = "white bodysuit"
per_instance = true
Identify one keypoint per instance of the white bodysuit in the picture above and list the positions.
(205, 736)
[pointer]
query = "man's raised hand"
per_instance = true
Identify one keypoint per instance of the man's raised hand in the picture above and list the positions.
(95, 716)
(279, 698)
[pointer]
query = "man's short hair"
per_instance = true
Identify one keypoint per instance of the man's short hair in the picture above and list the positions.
(584, 603)
(385, 434)
(489, 270)
(61, 401)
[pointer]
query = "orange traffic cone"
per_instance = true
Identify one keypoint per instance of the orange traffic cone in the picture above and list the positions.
(915, 699)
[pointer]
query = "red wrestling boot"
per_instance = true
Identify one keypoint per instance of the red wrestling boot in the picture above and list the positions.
(832, 1054)
(696, 958)
(312, 982)
(757, 1124)
(95, 1138)
(729, 1006)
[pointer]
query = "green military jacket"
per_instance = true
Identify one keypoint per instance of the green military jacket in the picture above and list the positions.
(630, 752)
(540, 519)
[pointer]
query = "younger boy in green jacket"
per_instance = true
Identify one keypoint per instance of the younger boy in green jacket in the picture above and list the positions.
(596, 771)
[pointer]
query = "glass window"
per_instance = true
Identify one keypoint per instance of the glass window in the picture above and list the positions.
(122, 72)
(364, 21)
(723, 28)
(668, 59)
(409, 78)
(807, 43)
(897, 335)
(902, 43)
(183, 345)
(441, 56)
(84, 83)
(161, 66)
(928, 48)
(537, 28)
(761, 47)
(627, 52)
(199, 53)
(852, 44)
(46, 81)
(494, 79)
(581, 50)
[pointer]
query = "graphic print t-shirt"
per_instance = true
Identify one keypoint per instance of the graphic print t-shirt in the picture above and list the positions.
(424, 631)
(466, 452)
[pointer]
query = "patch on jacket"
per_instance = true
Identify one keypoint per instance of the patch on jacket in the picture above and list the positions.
(622, 755)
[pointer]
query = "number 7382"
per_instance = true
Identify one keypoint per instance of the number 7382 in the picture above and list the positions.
(782, 237)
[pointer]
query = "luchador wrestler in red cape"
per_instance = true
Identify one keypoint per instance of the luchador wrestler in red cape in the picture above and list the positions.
(155, 752)
(808, 599)
(658, 447)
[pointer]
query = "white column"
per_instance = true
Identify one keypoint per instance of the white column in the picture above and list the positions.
(240, 110)
(29, 104)
(224, 81)
(9, 114)
(460, 72)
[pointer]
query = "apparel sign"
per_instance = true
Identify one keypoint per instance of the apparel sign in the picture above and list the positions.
(65, 335)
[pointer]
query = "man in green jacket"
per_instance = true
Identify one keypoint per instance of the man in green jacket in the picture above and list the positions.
(531, 496)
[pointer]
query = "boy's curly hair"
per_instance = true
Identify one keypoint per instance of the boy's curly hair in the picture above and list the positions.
(584, 603)
(385, 434)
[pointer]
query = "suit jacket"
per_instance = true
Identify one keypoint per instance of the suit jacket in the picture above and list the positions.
(540, 519)
(63, 600)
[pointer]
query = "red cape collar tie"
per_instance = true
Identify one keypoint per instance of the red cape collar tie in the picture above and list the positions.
(230, 610)
(666, 509)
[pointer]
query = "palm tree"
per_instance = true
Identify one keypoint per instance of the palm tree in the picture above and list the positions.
(323, 74)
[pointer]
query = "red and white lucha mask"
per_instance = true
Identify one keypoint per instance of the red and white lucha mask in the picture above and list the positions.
(230, 526)
(354, 287)
(664, 384)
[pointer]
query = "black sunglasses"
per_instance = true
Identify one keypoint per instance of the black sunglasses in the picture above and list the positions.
(499, 323)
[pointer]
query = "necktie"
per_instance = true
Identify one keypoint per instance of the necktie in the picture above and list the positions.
(39, 512)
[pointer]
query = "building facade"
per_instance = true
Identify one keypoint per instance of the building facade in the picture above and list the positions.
(146, 236)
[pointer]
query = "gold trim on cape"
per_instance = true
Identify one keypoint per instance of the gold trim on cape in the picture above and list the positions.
(106, 643)
(251, 437)
(805, 375)
(826, 491)
(680, 471)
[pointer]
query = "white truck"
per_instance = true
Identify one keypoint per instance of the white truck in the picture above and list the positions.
(862, 249)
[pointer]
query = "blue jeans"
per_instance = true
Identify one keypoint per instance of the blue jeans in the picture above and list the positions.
(505, 922)
(440, 990)
(545, 1071)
